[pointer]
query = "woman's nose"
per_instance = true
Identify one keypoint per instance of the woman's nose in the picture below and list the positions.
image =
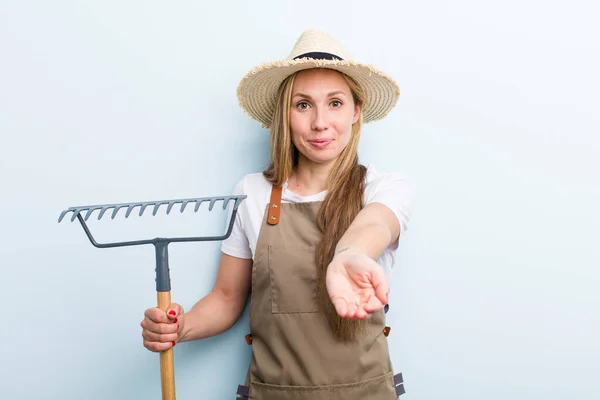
(320, 121)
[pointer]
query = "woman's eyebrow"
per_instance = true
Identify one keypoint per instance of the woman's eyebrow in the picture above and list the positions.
(336, 93)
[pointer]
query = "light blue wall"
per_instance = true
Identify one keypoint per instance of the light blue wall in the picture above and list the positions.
(496, 293)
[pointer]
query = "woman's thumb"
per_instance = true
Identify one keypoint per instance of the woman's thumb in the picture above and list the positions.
(174, 310)
(381, 286)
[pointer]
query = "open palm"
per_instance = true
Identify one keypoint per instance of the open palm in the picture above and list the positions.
(356, 285)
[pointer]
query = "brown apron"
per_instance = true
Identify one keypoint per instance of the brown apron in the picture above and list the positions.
(294, 352)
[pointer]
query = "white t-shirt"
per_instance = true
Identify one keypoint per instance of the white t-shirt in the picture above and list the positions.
(390, 189)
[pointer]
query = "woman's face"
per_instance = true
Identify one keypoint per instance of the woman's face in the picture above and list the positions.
(321, 115)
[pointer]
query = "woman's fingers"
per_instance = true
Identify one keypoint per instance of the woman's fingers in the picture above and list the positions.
(162, 338)
(341, 307)
(159, 330)
(159, 327)
(373, 304)
(158, 346)
(352, 309)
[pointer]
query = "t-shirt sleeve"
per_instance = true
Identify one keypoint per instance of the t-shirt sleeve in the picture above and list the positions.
(237, 244)
(393, 191)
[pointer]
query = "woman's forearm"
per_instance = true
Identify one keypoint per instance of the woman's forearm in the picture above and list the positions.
(212, 315)
(371, 232)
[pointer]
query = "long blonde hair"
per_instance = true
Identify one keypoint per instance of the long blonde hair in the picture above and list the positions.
(345, 192)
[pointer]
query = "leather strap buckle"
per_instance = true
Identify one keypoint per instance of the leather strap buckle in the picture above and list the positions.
(275, 205)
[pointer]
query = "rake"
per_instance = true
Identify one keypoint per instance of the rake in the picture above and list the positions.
(163, 280)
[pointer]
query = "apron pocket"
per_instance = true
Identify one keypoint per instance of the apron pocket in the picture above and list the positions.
(380, 388)
(293, 279)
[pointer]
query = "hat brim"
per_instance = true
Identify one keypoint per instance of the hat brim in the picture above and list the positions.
(257, 91)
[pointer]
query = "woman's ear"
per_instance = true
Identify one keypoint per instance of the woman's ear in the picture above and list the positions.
(357, 111)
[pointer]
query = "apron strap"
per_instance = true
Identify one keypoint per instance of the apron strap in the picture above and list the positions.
(275, 205)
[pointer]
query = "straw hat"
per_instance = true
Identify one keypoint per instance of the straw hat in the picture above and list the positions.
(257, 91)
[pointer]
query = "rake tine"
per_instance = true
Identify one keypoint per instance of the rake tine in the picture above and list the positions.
(212, 203)
(157, 206)
(171, 204)
(130, 209)
(198, 203)
(114, 214)
(103, 211)
(143, 208)
(226, 202)
(184, 203)
(75, 211)
(65, 212)
(62, 215)
(89, 212)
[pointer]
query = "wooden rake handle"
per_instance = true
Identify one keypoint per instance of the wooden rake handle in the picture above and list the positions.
(167, 365)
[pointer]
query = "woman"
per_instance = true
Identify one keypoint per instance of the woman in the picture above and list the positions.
(313, 242)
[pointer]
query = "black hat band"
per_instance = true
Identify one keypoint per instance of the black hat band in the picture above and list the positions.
(319, 56)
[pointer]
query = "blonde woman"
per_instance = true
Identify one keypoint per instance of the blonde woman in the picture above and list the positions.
(314, 241)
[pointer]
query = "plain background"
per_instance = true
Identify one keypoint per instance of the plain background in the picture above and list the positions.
(496, 291)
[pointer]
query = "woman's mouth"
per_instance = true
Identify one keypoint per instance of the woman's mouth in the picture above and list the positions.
(320, 143)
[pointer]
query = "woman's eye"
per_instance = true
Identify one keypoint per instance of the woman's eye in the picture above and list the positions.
(302, 105)
(336, 103)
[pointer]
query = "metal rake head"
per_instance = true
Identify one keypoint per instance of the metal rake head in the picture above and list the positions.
(104, 208)
(163, 282)
(143, 205)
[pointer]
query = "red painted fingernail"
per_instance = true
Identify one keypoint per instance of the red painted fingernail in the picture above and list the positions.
(175, 320)
(172, 312)
(173, 344)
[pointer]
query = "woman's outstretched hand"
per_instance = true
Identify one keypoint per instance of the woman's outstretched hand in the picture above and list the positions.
(356, 284)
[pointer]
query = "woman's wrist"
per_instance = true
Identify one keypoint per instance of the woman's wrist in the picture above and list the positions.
(183, 336)
(347, 249)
